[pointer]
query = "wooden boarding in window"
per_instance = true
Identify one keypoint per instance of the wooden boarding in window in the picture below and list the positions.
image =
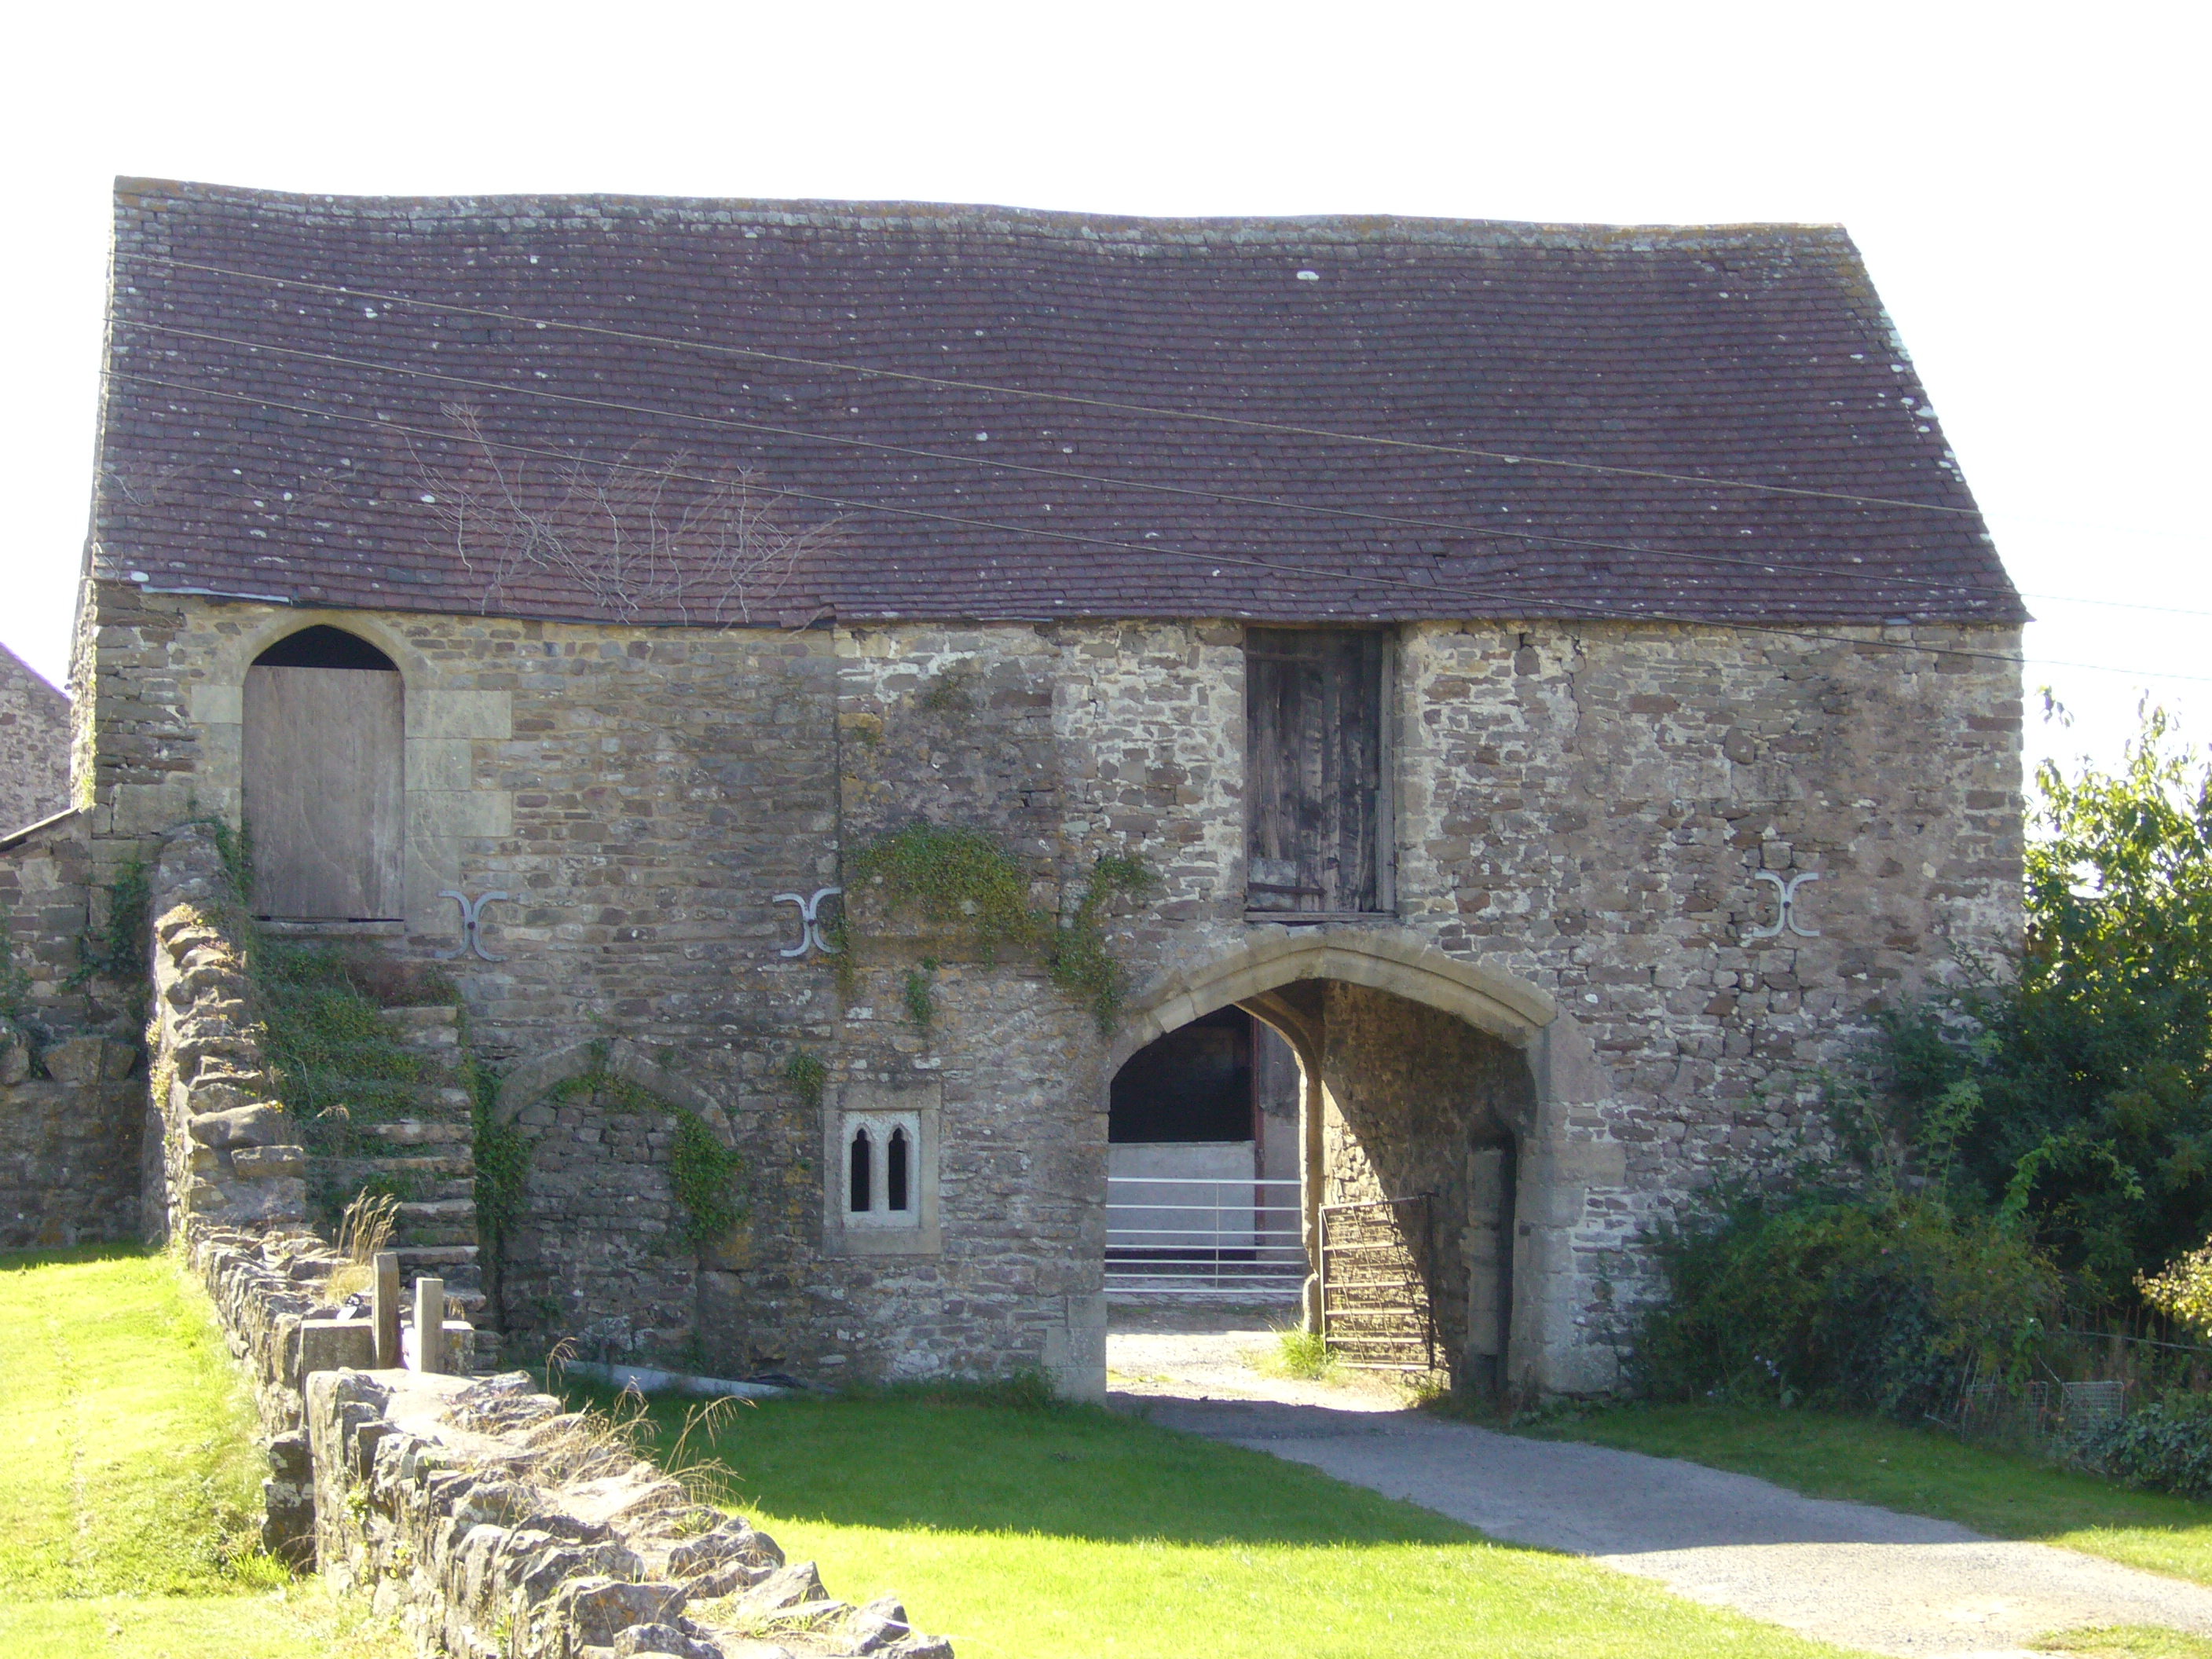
(324, 792)
(1314, 767)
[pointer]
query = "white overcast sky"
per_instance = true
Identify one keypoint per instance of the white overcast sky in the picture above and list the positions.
(2027, 184)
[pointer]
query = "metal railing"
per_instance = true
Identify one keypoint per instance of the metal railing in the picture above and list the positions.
(1169, 1237)
(1375, 1309)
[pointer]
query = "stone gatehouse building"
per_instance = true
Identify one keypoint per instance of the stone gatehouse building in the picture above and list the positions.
(1555, 677)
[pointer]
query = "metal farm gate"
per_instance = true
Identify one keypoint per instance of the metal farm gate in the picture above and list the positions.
(1374, 1311)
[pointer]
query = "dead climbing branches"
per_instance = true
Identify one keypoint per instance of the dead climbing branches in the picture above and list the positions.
(659, 541)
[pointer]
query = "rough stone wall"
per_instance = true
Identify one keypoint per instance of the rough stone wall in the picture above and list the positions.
(35, 746)
(492, 1523)
(1409, 1092)
(70, 1104)
(229, 1155)
(1586, 808)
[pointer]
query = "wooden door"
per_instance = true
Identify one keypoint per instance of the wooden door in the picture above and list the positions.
(324, 806)
(1313, 769)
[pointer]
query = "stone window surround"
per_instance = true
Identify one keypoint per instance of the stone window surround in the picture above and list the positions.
(882, 1130)
(881, 1108)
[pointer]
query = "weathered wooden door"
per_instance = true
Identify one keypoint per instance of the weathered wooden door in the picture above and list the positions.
(1313, 769)
(324, 806)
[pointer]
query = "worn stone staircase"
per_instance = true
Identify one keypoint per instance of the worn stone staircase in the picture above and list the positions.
(428, 1155)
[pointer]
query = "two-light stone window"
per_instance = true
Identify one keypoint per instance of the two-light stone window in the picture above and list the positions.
(880, 1147)
(880, 1150)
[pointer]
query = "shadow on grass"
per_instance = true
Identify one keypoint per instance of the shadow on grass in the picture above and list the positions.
(1919, 1471)
(959, 1459)
(18, 1261)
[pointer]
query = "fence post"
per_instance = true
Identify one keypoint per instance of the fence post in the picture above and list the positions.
(385, 1309)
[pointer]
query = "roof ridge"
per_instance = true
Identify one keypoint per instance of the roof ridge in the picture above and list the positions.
(829, 213)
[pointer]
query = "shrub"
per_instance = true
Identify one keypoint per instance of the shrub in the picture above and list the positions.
(2076, 1094)
(2163, 1447)
(1872, 1304)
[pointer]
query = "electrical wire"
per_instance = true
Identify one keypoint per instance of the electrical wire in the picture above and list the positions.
(1492, 532)
(943, 383)
(1297, 573)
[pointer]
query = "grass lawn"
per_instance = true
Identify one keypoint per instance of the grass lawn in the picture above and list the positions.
(130, 1492)
(1028, 1532)
(1919, 1471)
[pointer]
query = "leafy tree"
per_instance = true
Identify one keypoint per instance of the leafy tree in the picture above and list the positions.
(2076, 1096)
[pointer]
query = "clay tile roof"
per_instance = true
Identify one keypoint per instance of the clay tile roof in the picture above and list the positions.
(1012, 415)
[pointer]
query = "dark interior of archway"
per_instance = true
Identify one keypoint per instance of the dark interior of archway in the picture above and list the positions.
(1192, 1084)
(325, 647)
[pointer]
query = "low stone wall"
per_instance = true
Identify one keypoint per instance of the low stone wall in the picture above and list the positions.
(229, 1155)
(492, 1521)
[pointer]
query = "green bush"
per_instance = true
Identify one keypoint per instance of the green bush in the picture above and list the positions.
(2163, 1447)
(2076, 1094)
(1878, 1304)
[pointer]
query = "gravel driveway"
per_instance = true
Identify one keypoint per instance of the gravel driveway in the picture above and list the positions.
(1848, 1573)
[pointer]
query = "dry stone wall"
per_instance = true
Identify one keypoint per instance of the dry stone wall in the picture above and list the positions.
(229, 1154)
(490, 1521)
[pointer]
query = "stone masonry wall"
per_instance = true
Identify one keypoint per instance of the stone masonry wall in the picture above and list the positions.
(72, 1098)
(35, 746)
(1410, 1091)
(1585, 808)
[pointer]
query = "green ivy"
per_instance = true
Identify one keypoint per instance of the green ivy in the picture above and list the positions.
(1077, 955)
(701, 1170)
(962, 879)
(501, 1152)
(118, 951)
(808, 1074)
(917, 993)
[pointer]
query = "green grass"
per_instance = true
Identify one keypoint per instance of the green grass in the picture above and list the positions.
(1024, 1532)
(2128, 1642)
(1302, 1354)
(129, 1496)
(1919, 1471)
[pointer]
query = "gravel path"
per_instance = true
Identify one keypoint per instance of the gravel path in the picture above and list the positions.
(1847, 1573)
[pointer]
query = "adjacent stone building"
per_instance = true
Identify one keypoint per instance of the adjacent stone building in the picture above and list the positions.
(34, 745)
(1553, 678)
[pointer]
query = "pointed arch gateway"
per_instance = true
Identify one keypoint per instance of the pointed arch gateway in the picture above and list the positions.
(1420, 1071)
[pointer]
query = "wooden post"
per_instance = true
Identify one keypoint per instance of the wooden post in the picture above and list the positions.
(385, 1310)
(429, 1324)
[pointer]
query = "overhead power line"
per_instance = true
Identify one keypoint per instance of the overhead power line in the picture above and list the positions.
(1071, 399)
(1769, 564)
(1519, 604)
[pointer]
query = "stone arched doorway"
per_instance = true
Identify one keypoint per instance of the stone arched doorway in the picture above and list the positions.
(1423, 1074)
(324, 778)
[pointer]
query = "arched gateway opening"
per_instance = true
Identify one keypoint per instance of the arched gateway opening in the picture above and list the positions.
(1413, 1096)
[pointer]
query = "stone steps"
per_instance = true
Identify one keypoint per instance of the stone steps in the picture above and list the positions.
(428, 1155)
(419, 1132)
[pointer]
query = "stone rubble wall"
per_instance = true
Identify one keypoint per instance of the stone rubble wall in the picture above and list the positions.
(493, 1524)
(72, 1100)
(230, 1156)
(35, 746)
(1586, 808)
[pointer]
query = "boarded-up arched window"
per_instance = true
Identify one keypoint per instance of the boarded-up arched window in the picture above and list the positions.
(326, 725)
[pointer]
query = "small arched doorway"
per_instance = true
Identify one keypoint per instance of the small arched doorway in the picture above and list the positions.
(324, 779)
